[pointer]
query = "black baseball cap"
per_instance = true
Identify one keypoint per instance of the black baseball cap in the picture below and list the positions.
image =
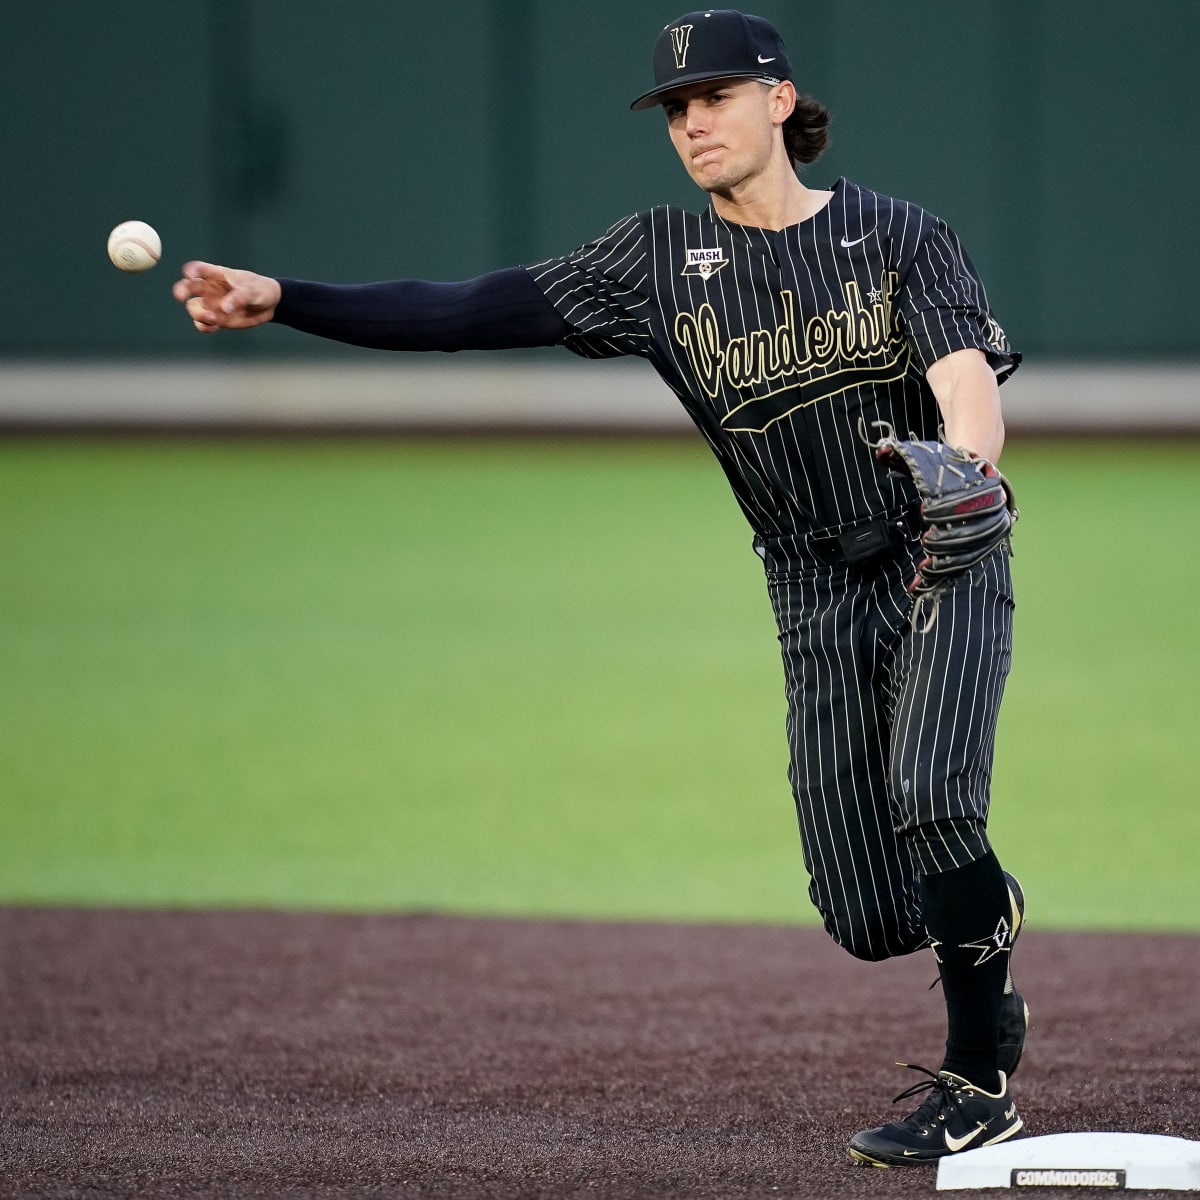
(715, 43)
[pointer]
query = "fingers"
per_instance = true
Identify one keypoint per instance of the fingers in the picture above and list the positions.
(218, 297)
(231, 312)
(202, 270)
(201, 290)
(183, 289)
(203, 318)
(197, 279)
(197, 274)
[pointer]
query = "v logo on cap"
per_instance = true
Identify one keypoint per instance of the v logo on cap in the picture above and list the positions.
(680, 36)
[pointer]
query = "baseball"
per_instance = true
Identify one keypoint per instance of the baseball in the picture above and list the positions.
(134, 246)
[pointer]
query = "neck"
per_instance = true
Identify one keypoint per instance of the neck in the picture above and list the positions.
(773, 200)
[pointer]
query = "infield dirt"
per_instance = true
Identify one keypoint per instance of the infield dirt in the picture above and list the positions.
(184, 1054)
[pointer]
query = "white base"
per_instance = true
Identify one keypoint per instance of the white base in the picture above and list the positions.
(1147, 1161)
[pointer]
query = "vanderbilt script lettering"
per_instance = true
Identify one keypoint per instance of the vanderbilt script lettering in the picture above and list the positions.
(861, 332)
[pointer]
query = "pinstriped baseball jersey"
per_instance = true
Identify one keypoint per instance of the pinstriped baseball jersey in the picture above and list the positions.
(785, 347)
(779, 344)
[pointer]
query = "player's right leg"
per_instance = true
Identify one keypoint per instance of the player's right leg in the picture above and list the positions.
(863, 877)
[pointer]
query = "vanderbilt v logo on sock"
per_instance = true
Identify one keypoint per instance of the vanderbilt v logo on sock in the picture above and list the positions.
(999, 942)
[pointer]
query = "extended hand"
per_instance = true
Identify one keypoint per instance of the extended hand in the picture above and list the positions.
(222, 298)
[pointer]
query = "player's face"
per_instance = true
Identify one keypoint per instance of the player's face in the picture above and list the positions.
(724, 131)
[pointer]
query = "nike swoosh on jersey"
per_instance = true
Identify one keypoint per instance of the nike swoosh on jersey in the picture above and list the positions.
(857, 241)
(954, 1145)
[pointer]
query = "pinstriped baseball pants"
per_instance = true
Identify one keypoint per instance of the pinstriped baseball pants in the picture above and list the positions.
(891, 733)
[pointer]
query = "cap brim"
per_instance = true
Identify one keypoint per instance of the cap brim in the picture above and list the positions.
(652, 98)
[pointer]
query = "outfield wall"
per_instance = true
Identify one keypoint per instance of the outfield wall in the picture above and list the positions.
(1059, 138)
(499, 394)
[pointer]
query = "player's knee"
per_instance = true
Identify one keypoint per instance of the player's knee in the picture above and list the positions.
(872, 933)
(866, 949)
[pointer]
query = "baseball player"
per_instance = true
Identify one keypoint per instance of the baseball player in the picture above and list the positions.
(836, 351)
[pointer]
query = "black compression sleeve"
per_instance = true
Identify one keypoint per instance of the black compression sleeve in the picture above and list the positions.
(504, 310)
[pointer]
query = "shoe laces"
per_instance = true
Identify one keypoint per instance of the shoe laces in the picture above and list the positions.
(942, 1091)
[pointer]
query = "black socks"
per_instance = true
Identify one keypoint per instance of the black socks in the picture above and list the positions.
(969, 920)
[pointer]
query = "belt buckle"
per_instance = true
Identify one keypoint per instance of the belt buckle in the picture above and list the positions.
(866, 542)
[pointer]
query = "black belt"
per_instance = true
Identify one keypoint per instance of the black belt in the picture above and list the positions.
(865, 541)
(863, 544)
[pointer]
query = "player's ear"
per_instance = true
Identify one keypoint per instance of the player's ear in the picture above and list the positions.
(783, 101)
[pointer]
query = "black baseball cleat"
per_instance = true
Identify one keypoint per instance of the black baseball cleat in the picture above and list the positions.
(955, 1116)
(1014, 1012)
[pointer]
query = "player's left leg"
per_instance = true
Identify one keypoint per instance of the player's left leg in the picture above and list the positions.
(947, 685)
(952, 678)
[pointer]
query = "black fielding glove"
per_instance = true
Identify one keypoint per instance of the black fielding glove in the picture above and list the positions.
(967, 507)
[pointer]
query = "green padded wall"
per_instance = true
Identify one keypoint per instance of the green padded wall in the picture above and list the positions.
(380, 138)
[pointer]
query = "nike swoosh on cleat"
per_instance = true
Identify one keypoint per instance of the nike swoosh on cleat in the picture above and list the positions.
(954, 1145)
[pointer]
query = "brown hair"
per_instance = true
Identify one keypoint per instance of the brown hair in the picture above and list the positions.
(806, 131)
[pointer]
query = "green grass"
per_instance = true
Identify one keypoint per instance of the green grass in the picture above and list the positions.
(528, 677)
(1095, 780)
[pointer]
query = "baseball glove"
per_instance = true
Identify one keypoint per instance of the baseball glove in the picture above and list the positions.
(967, 508)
